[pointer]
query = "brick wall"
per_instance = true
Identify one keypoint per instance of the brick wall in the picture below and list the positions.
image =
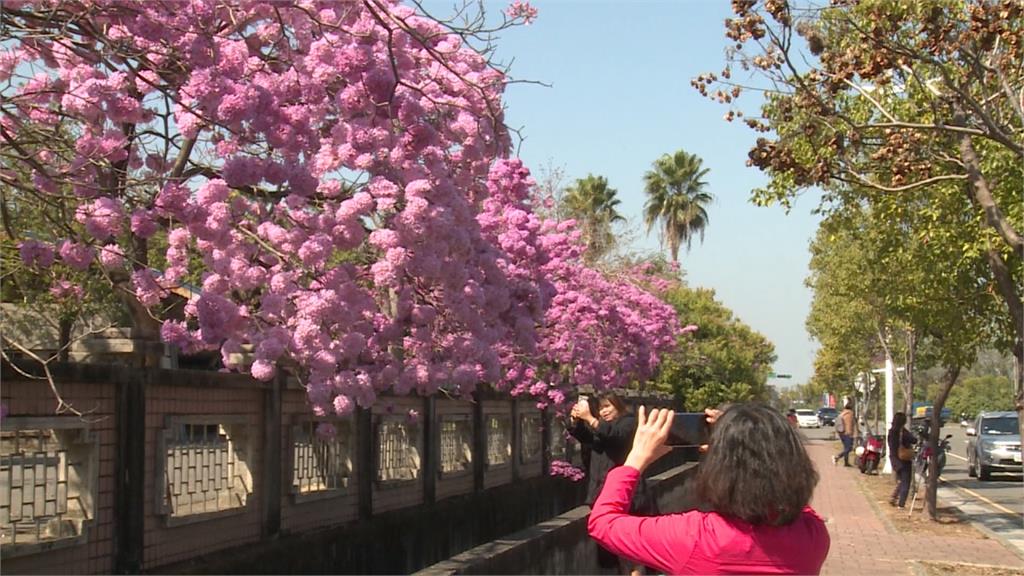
(165, 542)
(35, 399)
(133, 416)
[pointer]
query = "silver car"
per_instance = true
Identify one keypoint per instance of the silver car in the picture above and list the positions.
(993, 445)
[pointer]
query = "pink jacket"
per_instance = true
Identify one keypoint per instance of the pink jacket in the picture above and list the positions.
(704, 542)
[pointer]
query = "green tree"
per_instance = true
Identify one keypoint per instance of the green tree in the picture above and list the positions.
(862, 277)
(980, 393)
(882, 266)
(593, 204)
(888, 103)
(723, 360)
(677, 200)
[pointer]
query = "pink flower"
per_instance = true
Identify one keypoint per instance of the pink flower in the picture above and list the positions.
(343, 405)
(263, 370)
(241, 171)
(36, 254)
(566, 470)
(142, 224)
(523, 10)
(175, 332)
(64, 290)
(688, 328)
(101, 218)
(172, 199)
(146, 288)
(75, 255)
(219, 318)
(111, 257)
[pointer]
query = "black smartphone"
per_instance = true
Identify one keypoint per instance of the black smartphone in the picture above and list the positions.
(688, 429)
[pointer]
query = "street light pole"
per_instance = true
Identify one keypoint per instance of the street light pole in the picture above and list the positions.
(887, 469)
(889, 401)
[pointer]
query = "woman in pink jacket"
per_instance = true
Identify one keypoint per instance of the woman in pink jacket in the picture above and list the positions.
(757, 479)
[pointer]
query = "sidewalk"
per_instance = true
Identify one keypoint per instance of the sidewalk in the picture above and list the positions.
(863, 543)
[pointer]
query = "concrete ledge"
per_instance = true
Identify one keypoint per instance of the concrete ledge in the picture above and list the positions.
(560, 545)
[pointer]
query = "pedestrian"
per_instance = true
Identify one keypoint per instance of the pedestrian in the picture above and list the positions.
(756, 478)
(900, 437)
(791, 417)
(609, 435)
(846, 429)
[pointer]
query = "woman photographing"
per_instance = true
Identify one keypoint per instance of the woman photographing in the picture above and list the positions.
(900, 460)
(609, 435)
(756, 478)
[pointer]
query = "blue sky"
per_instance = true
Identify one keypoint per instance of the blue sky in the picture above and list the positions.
(620, 96)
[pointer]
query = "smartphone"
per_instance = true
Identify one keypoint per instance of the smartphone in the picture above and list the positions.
(688, 429)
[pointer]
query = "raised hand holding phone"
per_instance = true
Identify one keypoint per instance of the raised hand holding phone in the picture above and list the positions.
(651, 433)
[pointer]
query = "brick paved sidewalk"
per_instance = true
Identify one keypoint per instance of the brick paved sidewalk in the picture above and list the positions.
(862, 542)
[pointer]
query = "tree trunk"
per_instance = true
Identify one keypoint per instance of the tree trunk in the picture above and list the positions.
(64, 339)
(1018, 380)
(931, 495)
(908, 403)
(980, 195)
(1007, 289)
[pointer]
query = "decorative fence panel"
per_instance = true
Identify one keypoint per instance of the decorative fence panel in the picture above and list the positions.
(172, 465)
(47, 483)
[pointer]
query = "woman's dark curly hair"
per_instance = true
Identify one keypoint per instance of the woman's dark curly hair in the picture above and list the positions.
(756, 468)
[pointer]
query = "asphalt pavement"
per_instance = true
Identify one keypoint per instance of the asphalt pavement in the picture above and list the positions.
(1004, 493)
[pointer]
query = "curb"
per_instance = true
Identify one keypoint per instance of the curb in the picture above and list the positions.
(917, 568)
(981, 527)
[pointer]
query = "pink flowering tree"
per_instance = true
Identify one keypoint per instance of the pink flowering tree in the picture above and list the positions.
(328, 177)
(598, 330)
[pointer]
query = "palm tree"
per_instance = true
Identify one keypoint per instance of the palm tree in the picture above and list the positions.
(592, 203)
(677, 200)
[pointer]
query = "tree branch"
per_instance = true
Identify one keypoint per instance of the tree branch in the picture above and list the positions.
(982, 196)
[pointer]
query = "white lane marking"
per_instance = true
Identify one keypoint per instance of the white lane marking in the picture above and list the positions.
(999, 507)
(955, 456)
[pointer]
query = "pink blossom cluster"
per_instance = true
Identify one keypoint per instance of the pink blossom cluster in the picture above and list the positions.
(566, 470)
(336, 177)
(595, 330)
(523, 10)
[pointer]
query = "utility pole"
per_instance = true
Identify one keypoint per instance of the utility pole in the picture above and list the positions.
(889, 400)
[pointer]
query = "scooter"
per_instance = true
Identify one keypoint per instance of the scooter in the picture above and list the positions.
(869, 454)
(926, 454)
(924, 457)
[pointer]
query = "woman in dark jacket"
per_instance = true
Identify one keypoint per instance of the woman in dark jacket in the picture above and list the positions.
(900, 436)
(609, 435)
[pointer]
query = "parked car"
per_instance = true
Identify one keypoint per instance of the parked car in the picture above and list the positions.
(806, 418)
(827, 416)
(993, 445)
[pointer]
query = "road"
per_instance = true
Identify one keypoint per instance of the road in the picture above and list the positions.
(1004, 493)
